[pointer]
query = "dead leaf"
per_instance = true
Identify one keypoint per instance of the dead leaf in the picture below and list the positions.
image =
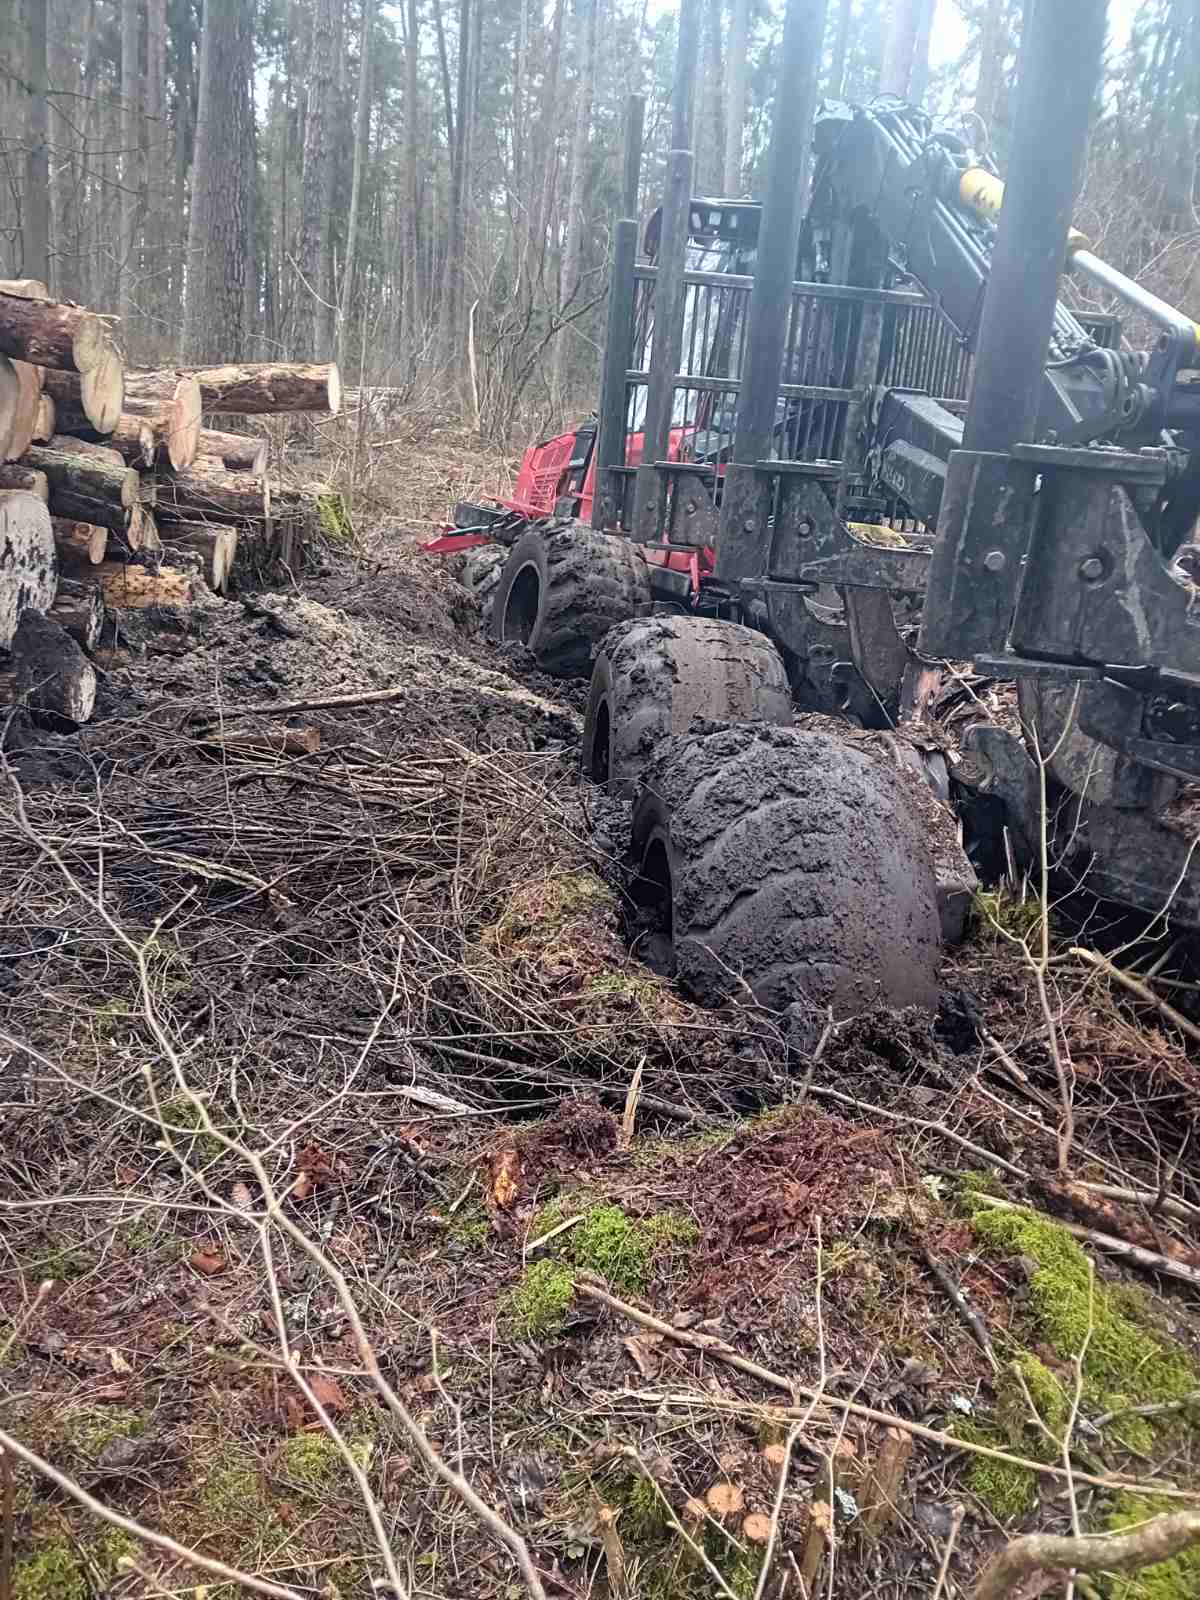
(208, 1262)
(108, 1391)
(302, 1187)
(643, 1347)
(328, 1392)
(505, 1176)
(241, 1196)
(118, 1363)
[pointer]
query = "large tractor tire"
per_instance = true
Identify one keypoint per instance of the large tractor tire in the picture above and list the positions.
(655, 676)
(479, 571)
(788, 862)
(561, 592)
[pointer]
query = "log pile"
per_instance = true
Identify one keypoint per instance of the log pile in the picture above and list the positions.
(120, 488)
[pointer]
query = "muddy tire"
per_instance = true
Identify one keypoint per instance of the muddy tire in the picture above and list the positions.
(479, 573)
(655, 676)
(788, 861)
(562, 591)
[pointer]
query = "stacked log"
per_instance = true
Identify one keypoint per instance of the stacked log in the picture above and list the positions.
(126, 500)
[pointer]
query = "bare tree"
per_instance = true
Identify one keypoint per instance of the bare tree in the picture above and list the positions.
(362, 129)
(216, 265)
(735, 97)
(900, 47)
(131, 154)
(412, 195)
(991, 59)
(841, 46)
(157, 157)
(310, 247)
(35, 218)
(586, 22)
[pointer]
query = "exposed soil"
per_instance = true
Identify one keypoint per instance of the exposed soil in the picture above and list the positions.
(394, 970)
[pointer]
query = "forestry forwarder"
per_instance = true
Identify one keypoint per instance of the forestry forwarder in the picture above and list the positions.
(803, 439)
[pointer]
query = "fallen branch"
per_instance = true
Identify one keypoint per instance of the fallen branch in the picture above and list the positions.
(1156, 1540)
(958, 1300)
(939, 1128)
(160, 1541)
(1137, 987)
(710, 1345)
(1135, 1253)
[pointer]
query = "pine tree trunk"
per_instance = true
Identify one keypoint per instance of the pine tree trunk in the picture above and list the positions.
(735, 97)
(155, 248)
(900, 47)
(991, 61)
(413, 275)
(362, 128)
(317, 133)
(131, 158)
(216, 276)
(586, 21)
(325, 344)
(36, 216)
(841, 46)
(919, 84)
(710, 163)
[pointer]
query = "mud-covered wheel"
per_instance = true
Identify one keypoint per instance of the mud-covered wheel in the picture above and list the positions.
(655, 676)
(561, 592)
(479, 573)
(788, 861)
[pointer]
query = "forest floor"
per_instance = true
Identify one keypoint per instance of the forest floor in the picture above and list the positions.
(301, 1056)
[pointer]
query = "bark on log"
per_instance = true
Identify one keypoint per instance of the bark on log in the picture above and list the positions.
(86, 488)
(79, 610)
(240, 452)
(205, 492)
(50, 333)
(53, 675)
(132, 438)
(28, 567)
(216, 547)
(271, 742)
(85, 447)
(261, 388)
(129, 585)
(79, 544)
(15, 475)
(170, 403)
(46, 425)
(96, 396)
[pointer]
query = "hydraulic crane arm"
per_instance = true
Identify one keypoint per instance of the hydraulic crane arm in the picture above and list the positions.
(889, 187)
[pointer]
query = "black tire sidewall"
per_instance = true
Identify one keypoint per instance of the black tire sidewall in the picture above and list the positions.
(528, 553)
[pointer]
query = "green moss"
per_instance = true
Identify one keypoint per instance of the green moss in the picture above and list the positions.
(471, 1227)
(1177, 1579)
(643, 1523)
(671, 1230)
(1048, 1395)
(607, 1243)
(92, 1427)
(1121, 1355)
(311, 1458)
(64, 1263)
(335, 520)
(538, 1305)
(1006, 1491)
(197, 1147)
(970, 1184)
(996, 912)
(1135, 1433)
(54, 1573)
(231, 1495)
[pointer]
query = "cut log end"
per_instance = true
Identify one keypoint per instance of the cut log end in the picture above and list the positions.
(79, 543)
(102, 390)
(756, 1529)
